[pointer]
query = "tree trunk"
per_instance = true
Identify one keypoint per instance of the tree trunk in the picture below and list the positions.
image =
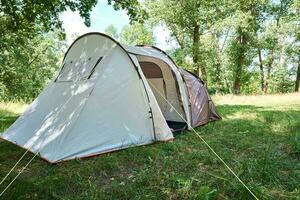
(269, 68)
(179, 41)
(297, 83)
(196, 38)
(203, 73)
(218, 76)
(197, 67)
(237, 80)
(217, 73)
(262, 75)
(270, 63)
(239, 62)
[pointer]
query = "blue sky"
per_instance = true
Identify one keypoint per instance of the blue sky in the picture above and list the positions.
(102, 16)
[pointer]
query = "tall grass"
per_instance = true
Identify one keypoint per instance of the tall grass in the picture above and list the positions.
(258, 137)
(13, 107)
(262, 100)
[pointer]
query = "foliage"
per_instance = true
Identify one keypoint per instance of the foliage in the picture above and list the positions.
(135, 11)
(187, 20)
(29, 16)
(258, 137)
(31, 41)
(112, 31)
(134, 34)
(33, 17)
(239, 46)
(236, 46)
(27, 68)
(137, 34)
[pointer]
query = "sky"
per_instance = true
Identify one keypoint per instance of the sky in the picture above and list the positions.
(102, 16)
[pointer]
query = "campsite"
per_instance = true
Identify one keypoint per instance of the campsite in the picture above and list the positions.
(178, 100)
(183, 169)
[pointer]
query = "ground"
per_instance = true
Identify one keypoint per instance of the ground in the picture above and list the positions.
(259, 138)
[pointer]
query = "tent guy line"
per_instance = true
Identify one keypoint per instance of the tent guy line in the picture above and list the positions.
(209, 147)
(24, 154)
(118, 85)
(202, 139)
(28, 150)
(197, 134)
(18, 174)
(84, 110)
(14, 166)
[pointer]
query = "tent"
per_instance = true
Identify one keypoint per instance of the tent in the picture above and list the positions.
(107, 97)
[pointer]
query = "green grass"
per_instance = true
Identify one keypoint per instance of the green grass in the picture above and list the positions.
(259, 137)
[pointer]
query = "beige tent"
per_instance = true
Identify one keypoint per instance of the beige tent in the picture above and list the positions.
(108, 96)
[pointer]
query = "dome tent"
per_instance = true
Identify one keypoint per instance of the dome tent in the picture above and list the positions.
(108, 96)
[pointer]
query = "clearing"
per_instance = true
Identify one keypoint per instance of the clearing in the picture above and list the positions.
(259, 137)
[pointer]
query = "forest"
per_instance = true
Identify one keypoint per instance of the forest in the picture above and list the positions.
(239, 47)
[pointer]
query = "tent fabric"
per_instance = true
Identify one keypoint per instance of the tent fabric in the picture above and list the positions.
(162, 131)
(172, 93)
(101, 101)
(202, 107)
(153, 52)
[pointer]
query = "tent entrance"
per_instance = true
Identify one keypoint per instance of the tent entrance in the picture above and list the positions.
(177, 126)
(163, 85)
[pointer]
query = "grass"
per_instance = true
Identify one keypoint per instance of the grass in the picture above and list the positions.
(9, 112)
(259, 137)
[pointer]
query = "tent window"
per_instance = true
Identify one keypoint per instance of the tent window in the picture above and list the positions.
(92, 71)
(151, 70)
(77, 69)
(66, 73)
(62, 68)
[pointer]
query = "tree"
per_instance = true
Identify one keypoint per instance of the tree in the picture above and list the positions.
(245, 22)
(279, 11)
(137, 34)
(135, 11)
(187, 21)
(213, 55)
(134, 34)
(112, 31)
(23, 15)
(297, 81)
(295, 49)
(30, 41)
(236, 46)
(27, 68)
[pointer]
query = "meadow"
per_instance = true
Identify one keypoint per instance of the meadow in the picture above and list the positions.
(258, 137)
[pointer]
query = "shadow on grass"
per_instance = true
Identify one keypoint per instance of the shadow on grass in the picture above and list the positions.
(227, 110)
(261, 145)
(7, 118)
